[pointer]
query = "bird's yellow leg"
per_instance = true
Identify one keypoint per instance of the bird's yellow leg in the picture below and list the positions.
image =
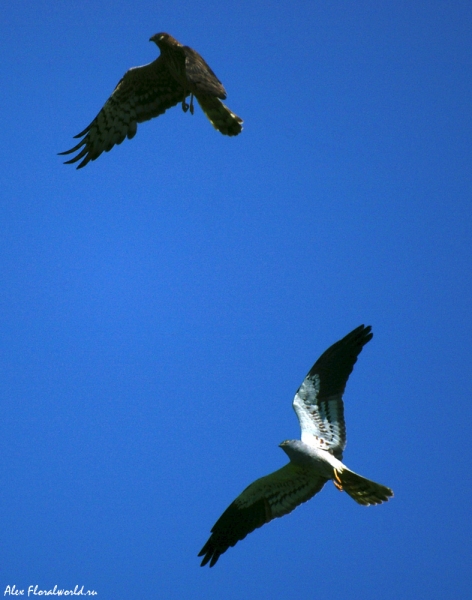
(337, 481)
(184, 104)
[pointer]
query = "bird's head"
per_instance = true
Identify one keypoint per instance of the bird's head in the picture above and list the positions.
(295, 450)
(288, 446)
(164, 39)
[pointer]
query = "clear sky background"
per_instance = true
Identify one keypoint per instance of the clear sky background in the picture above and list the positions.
(160, 307)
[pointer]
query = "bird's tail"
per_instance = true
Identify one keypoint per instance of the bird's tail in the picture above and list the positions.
(362, 490)
(220, 115)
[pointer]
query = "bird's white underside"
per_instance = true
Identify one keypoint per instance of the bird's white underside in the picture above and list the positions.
(319, 422)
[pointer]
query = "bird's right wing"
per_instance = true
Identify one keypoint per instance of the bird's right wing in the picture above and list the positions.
(200, 74)
(209, 91)
(319, 400)
(143, 93)
(265, 499)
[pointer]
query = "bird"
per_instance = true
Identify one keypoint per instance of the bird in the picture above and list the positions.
(314, 459)
(148, 91)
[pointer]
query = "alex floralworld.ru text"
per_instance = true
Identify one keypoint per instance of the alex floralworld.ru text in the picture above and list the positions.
(34, 590)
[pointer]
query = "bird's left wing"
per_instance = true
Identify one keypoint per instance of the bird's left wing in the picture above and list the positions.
(265, 499)
(209, 91)
(200, 75)
(318, 401)
(143, 93)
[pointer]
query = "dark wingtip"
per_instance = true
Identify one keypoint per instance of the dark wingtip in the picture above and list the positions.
(77, 146)
(209, 554)
(83, 153)
(369, 334)
(74, 149)
(364, 330)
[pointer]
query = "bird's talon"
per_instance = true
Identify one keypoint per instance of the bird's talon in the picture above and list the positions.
(337, 481)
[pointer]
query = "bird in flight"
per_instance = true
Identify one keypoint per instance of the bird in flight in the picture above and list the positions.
(314, 459)
(148, 91)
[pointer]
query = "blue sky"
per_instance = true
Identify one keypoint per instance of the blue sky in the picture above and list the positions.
(160, 307)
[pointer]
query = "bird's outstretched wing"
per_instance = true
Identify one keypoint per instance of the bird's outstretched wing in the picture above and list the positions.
(318, 401)
(143, 93)
(265, 499)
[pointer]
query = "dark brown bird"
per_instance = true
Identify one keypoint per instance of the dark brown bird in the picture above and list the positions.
(148, 91)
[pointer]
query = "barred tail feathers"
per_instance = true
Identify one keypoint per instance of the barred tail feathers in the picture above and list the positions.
(362, 490)
(219, 115)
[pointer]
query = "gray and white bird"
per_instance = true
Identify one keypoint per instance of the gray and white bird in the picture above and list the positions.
(148, 91)
(314, 459)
